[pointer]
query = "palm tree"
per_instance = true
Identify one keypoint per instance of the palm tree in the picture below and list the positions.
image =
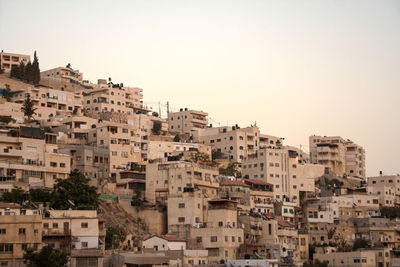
(28, 108)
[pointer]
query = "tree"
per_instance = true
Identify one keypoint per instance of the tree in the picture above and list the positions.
(137, 200)
(177, 138)
(35, 70)
(17, 195)
(40, 195)
(75, 189)
(231, 170)
(156, 130)
(28, 72)
(47, 256)
(114, 236)
(316, 263)
(28, 108)
(360, 243)
(6, 93)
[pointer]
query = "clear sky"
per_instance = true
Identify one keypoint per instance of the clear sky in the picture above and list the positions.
(296, 68)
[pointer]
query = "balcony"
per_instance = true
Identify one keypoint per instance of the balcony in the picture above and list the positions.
(56, 232)
(88, 252)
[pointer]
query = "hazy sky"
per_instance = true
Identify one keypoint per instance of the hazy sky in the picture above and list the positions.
(297, 68)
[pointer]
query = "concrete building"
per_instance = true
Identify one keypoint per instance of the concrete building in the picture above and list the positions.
(388, 181)
(186, 121)
(31, 156)
(10, 59)
(234, 142)
(77, 232)
(360, 258)
(18, 232)
(67, 73)
(222, 235)
(179, 177)
(164, 243)
(281, 167)
(109, 97)
(49, 102)
(339, 156)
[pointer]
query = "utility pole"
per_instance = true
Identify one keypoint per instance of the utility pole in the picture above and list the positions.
(167, 108)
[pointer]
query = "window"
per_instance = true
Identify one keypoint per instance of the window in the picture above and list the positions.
(6, 248)
(55, 225)
(45, 225)
(181, 219)
(22, 231)
(226, 239)
(220, 224)
(24, 246)
(213, 239)
(181, 205)
(199, 239)
(84, 225)
(233, 239)
(3, 231)
(53, 164)
(4, 263)
(62, 165)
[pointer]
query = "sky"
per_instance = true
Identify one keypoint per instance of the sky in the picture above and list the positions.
(293, 68)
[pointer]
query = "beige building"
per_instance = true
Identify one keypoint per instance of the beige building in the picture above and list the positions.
(66, 73)
(49, 102)
(123, 142)
(111, 97)
(221, 236)
(161, 149)
(18, 232)
(186, 121)
(281, 167)
(179, 177)
(10, 59)
(77, 232)
(360, 258)
(388, 181)
(234, 142)
(31, 156)
(338, 155)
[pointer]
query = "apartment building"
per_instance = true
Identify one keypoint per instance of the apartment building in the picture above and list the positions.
(17, 233)
(123, 142)
(78, 233)
(66, 73)
(388, 181)
(221, 236)
(13, 110)
(179, 177)
(30, 155)
(359, 258)
(234, 142)
(161, 149)
(50, 102)
(185, 121)
(281, 167)
(338, 155)
(378, 231)
(109, 97)
(8, 60)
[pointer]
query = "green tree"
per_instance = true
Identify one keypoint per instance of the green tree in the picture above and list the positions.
(360, 243)
(231, 170)
(28, 108)
(75, 188)
(114, 236)
(6, 119)
(17, 195)
(47, 256)
(13, 72)
(137, 200)
(177, 138)
(40, 195)
(156, 130)
(6, 93)
(35, 70)
(28, 72)
(21, 71)
(316, 263)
